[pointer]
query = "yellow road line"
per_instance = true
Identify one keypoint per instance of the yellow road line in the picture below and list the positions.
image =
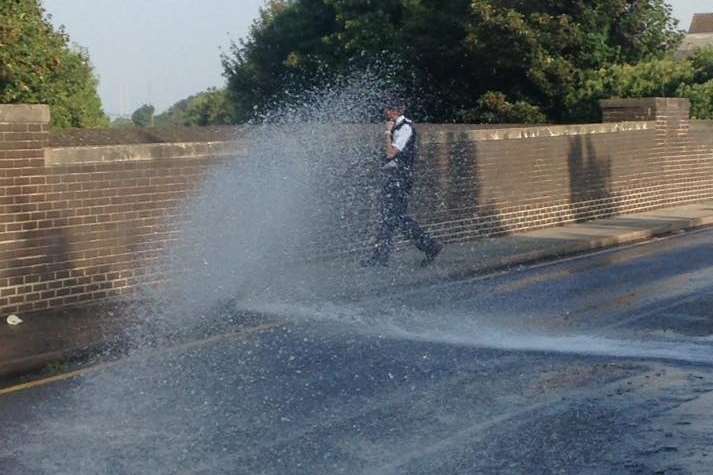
(173, 349)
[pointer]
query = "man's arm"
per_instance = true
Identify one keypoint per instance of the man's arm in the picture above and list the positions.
(398, 141)
(391, 151)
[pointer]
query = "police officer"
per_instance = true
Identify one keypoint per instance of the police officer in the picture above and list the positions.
(397, 175)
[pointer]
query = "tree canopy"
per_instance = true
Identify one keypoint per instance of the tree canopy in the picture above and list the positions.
(210, 107)
(457, 60)
(143, 116)
(691, 78)
(37, 65)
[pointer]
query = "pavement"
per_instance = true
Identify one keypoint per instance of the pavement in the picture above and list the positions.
(43, 342)
(47, 340)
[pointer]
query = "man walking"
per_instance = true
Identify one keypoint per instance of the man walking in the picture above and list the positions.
(398, 170)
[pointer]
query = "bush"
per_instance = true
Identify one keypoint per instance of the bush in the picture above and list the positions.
(122, 123)
(143, 116)
(210, 107)
(702, 62)
(701, 97)
(658, 78)
(495, 108)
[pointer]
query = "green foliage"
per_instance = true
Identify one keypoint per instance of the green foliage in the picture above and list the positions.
(174, 115)
(700, 92)
(289, 44)
(702, 61)
(121, 123)
(38, 66)
(494, 108)
(448, 53)
(691, 78)
(654, 78)
(701, 97)
(541, 50)
(143, 116)
(211, 107)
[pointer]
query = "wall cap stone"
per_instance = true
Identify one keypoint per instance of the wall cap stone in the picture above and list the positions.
(23, 113)
(539, 132)
(667, 102)
(706, 125)
(56, 157)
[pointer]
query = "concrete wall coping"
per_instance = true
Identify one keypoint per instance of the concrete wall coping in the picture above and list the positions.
(63, 156)
(24, 113)
(617, 102)
(66, 156)
(539, 132)
(706, 125)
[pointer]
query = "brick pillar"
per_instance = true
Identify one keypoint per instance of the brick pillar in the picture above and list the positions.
(24, 134)
(672, 155)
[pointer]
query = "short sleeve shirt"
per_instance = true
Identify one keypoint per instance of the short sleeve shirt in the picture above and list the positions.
(402, 135)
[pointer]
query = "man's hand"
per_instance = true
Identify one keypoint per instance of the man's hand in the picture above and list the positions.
(390, 126)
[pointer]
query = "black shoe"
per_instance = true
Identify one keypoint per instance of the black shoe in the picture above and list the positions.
(431, 254)
(374, 261)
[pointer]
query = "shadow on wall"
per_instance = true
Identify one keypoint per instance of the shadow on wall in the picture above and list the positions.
(463, 182)
(466, 194)
(42, 269)
(444, 197)
(451, 191)
(590, 191)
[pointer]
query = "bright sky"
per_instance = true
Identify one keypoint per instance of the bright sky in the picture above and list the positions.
(156, 51)
(160, 51)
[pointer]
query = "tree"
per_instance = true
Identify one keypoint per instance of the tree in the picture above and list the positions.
(541, 50)
(210, 107)
(494, 108)
(37, 65)
(701, 97)
(174, 115)
(451, 55)
(654, 78)
(288, 47)
(143, 116)
(121, 123)
(691, 78)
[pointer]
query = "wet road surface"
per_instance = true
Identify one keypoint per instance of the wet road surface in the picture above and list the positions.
(600, 364)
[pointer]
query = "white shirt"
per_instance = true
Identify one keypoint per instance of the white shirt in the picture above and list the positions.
(402, 136)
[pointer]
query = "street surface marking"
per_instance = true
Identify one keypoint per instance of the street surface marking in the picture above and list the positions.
(102, 366)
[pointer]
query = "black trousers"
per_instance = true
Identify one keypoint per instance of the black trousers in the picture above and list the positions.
(394, 205)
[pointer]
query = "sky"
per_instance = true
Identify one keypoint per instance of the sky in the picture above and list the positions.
(161, 51)
(154, 51)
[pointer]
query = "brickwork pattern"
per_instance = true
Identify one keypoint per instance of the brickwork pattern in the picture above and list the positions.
(503, 186)
(495, 187)
(80, 225)
(82, 232)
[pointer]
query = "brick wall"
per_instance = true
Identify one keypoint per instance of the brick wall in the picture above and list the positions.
(111, 213)
(645, 156)
(84, 224)
(495, 183)
(23, 137)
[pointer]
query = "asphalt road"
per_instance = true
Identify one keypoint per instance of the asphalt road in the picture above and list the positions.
(600, 364)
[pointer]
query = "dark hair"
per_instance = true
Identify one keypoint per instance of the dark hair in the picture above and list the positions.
(395, 103)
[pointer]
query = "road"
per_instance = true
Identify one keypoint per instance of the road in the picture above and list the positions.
(598, 364)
